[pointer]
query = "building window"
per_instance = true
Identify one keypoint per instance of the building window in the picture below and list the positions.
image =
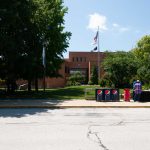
(67, 70)
(73, 59)
(84, 59)
(77, 59)
(81, 59)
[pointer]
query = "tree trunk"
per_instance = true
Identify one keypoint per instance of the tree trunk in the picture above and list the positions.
(13, 86)
(8, 86)
(36, 84)
(29, 85)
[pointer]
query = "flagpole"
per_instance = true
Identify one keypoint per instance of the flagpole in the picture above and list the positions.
(44, 65)
(98, 61)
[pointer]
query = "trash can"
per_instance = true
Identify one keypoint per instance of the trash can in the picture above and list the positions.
(115, 94)
(99, 94)
(107, 93)
(127, 95)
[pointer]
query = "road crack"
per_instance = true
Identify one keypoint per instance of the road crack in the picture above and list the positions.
(99, 141)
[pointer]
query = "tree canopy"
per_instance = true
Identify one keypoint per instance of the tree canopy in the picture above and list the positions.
(94, 75)
(27, 26)
(120, 67)
(142, 54)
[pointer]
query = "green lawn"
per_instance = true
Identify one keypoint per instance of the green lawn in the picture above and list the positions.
(72, 92)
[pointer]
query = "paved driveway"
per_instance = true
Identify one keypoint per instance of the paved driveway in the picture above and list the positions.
(75, 129)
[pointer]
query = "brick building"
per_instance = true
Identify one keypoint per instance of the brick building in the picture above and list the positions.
(77, 61)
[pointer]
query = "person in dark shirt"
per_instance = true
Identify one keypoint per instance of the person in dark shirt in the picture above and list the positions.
(137, 88)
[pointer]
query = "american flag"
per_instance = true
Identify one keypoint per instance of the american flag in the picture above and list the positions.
(96, 37)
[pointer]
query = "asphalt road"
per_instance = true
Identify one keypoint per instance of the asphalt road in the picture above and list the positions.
(75, 129)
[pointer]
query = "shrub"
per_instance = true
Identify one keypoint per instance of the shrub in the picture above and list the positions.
(75, 79)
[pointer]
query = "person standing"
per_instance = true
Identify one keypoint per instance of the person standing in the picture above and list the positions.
(137, 88)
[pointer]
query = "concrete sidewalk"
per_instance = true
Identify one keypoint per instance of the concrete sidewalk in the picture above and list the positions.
(47, 103)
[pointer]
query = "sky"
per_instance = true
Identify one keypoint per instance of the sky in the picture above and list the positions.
(121, 23)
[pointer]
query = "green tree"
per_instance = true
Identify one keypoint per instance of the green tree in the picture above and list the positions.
(27, 26)
(142, 49)
(94, 75)
(13, 24)
(142, 54)
(48, 18)
(120, 68)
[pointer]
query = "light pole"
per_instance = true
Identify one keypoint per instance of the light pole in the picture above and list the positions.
(44, 65)
(45, 43)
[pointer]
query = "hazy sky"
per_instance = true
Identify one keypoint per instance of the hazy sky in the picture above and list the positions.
(121, 22)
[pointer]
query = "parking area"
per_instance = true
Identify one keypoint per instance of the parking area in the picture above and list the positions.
(75, 129)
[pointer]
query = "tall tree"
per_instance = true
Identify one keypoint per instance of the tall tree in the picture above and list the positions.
(94, 75)
(49, 20)
(142, 53)
(27, 26)
(120, 68)
(14, 18)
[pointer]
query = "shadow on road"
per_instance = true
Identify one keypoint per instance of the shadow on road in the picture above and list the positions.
(19, 112)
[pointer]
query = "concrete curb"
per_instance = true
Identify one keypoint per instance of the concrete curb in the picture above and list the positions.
(57, 104)
(64, 107)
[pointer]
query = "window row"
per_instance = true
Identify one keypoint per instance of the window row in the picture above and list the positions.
(79, 59)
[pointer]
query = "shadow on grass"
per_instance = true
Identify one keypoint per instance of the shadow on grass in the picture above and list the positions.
(58, 94)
